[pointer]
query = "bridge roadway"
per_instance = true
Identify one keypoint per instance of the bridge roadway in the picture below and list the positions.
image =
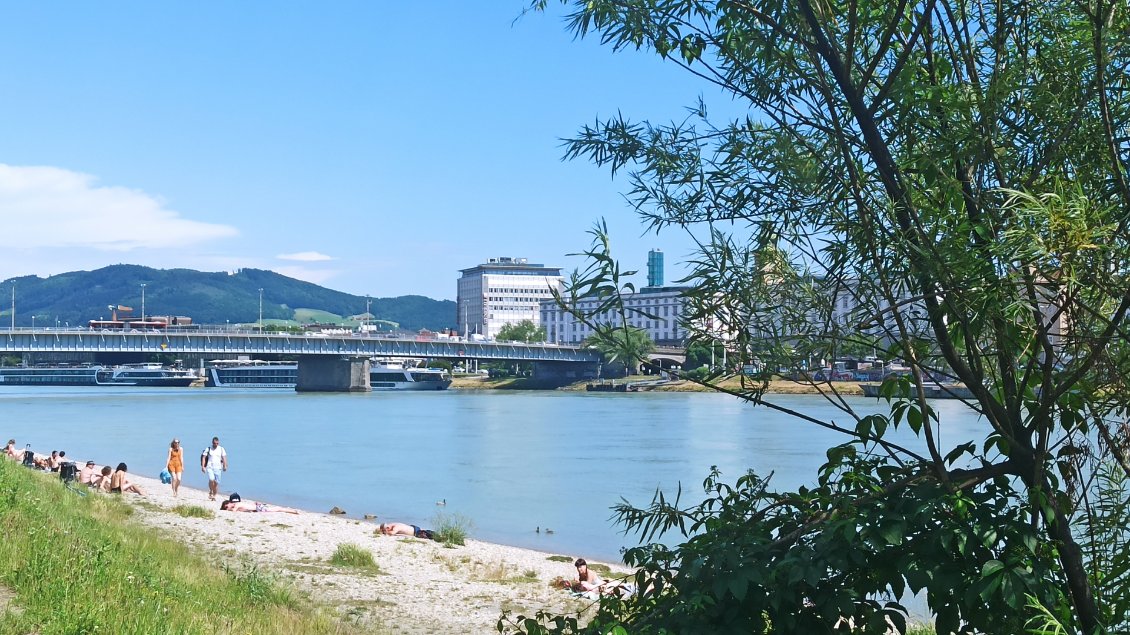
(254, 344)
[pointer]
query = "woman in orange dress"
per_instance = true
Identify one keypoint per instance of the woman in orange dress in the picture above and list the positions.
(175, 464)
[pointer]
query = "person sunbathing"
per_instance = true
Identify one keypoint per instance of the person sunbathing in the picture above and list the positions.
(119, 483)
(102, 481)
(253, 506)
(591, 584)
(402, 529)
(587, 580)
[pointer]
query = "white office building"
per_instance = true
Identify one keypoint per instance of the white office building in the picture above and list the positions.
(656, 310)
(502, 291)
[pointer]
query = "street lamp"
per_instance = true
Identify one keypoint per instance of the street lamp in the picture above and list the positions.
(33, 322)
(142, 301)
(260, 309)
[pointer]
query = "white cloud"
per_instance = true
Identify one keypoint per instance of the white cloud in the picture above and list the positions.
(316, 276)
(56, 220)
(305, 256)
(45, 207)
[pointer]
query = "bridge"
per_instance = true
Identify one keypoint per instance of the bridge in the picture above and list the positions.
(324, 351)
(667, 357)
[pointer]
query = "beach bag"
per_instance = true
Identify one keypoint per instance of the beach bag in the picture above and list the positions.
(68, 471)
(29, 457)
(166, 477)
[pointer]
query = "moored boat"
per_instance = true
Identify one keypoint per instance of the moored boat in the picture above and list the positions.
(96, 375)
(383, 375)
(933, 391)
(150, 374)
(51, 375)
(240, 373)
(394, 375)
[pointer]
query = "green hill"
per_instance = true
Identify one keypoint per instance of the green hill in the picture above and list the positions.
(208, 298)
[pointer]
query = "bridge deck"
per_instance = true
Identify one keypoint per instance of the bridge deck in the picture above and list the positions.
(252, 343)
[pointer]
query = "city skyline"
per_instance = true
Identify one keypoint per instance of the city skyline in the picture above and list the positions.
(371, 149)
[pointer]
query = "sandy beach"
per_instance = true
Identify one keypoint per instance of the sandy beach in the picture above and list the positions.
(420, 586)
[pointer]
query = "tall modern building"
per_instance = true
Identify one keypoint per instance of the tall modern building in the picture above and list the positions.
(502, 291)
(655, 268)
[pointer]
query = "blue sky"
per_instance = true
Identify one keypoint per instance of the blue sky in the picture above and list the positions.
(371, 147)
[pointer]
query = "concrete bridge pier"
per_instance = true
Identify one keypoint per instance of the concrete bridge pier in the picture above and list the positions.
(332, 374)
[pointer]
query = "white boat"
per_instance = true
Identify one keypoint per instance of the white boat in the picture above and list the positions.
(383, 375)
(149, 374)
(393, 375)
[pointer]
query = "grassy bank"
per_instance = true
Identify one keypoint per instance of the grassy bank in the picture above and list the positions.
(75, 564)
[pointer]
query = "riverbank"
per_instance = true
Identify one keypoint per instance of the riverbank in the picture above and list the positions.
(416, 586)
(779, 386)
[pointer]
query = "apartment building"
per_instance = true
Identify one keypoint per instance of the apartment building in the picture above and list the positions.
(656, 310)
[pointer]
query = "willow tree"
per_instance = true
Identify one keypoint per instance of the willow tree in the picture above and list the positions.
(945, 180)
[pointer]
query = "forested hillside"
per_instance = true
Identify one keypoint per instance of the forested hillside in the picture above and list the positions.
(207, 297)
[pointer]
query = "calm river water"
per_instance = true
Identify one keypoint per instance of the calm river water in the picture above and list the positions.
(510, 462)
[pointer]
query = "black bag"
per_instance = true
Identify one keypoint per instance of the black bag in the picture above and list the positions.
(29, 457)
(68, 472)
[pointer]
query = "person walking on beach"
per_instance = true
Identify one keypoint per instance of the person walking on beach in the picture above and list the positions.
(213, 462)
(175, 464)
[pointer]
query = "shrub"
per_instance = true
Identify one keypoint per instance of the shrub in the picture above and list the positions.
(351, 555)
(451, 529)
(193, 511)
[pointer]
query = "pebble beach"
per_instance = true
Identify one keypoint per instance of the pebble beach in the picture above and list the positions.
(417, 587)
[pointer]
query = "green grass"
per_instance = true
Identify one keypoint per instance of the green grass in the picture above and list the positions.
(193, 511)
(351, 555)
(79, 565)
(451, 529)
(306, 316)
(559, 559)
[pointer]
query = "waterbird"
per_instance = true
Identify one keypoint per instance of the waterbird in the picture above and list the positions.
(442, 502)
(548, 530)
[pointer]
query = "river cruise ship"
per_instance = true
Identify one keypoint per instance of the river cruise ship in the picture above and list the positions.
(241, 373)
(385, 375)
(156, 375)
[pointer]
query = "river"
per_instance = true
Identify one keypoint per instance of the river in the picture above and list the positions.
(511, 462)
